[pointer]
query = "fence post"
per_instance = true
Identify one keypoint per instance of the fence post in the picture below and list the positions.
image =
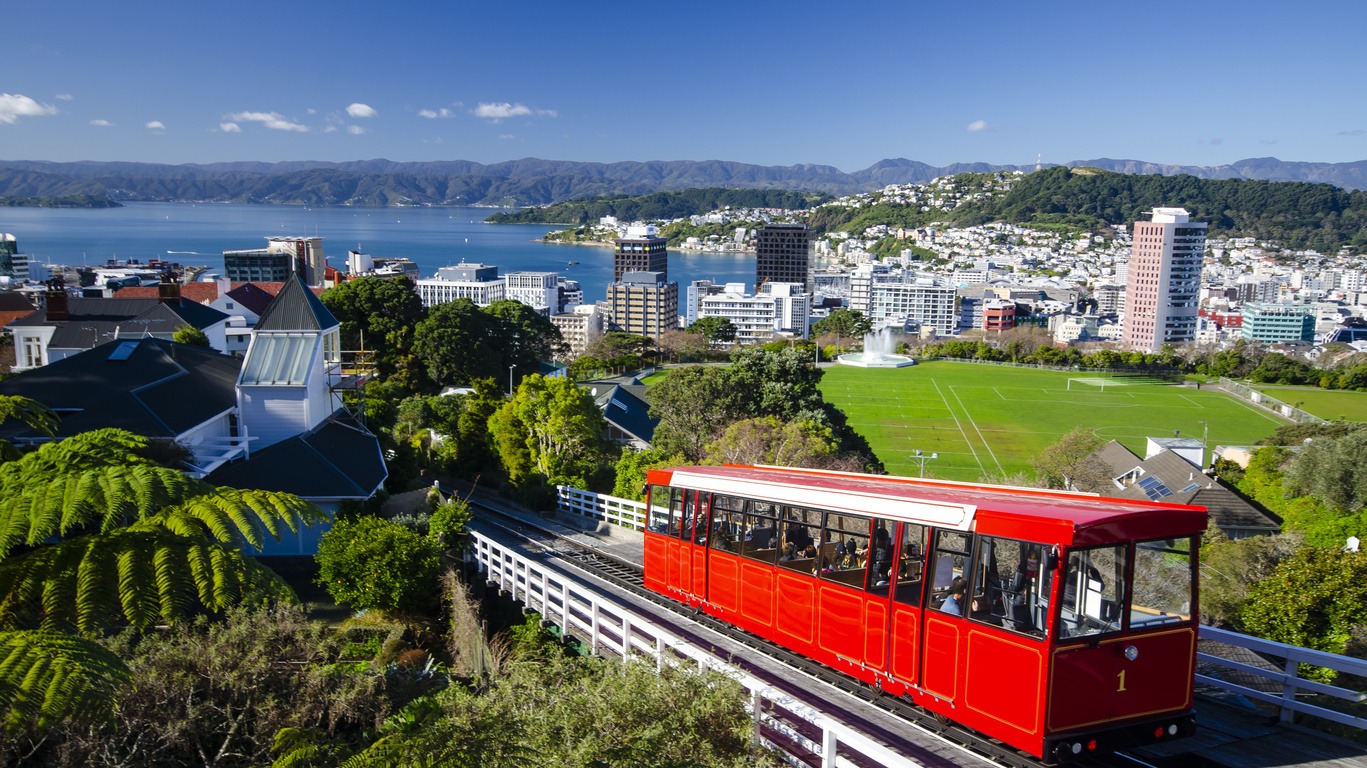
(756, 715)
(828, 745)
(1292, 669)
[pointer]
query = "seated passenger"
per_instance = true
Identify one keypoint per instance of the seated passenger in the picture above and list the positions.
(954, 603)
(787, 552)
(797, 534)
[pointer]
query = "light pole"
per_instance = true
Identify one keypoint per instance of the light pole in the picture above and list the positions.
(510, 379)
(921, 459)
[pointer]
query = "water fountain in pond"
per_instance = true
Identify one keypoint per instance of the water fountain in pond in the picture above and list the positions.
(878, 352)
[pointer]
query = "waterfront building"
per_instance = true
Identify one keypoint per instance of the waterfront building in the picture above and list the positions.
(568, 293)
(643, 303)
(282, 258)
(640, 251)
(360, 264)
(781, 254)
(479, 283)
(1271, 323)
(1164, 280)
(538, 290)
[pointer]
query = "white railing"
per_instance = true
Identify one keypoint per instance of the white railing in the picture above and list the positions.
(1269, 402)
(611, 628)
(1292, 685)
(600, 506)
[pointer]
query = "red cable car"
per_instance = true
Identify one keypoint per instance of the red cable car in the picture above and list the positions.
(1059, 623)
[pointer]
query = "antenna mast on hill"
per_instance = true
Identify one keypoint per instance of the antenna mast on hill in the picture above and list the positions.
(1038, 157)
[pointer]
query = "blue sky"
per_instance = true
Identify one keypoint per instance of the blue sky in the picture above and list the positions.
(843, 84)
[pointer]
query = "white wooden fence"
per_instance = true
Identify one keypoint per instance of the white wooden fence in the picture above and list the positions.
(611, 628)
(600, 506)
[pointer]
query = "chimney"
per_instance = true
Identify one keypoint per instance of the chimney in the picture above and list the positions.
(168, 290)
(57, 307)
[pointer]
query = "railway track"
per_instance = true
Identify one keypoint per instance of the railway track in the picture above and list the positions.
(628, 576)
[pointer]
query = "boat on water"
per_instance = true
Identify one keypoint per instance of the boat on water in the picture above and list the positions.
(571, 263)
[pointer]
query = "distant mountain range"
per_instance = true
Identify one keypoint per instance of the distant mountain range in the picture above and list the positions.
(531, 181)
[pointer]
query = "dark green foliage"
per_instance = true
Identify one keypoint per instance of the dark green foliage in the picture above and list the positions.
(1230, 568)
(460, 342)
(448, 522)
(714, 328)
(377, 564)
(673, 204)
(632, 465)
(1295, 214)
(377, 314)
(845, 323)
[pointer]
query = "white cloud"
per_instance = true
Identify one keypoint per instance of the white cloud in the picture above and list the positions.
(361, 110)
(355, 130)
(273, 120)
(101, 122)
(497, 111)
(433, 114)
(976, 126)
(506, 136)
(329, 129)
(63, 97)
(312, 111)
(14, 106)
(230, 127)
(156, 125)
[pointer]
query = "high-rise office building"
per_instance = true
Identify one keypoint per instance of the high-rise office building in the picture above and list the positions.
(781, 255)
(643, 303)
(1162, 290)
(282, 258)
(640, 251)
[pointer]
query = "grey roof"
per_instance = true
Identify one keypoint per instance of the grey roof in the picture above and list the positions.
(1230, 510)
(338, 458)
(624, 406)
(296, 308)
(93, 321)
(160, 389)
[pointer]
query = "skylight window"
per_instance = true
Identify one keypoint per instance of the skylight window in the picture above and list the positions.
(123, 351)
(278, 359)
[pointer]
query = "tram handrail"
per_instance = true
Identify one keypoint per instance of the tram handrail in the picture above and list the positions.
(1288, 676)
(606, 625)
(601, 506)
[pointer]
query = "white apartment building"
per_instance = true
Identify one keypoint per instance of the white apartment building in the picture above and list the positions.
(580, 328)
(779, 309)
(538, 290)
(476, 282)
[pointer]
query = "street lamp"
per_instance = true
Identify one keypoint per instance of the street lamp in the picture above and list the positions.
(921, 459)
(510, 379)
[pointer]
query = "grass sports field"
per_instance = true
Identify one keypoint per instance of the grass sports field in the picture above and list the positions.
(987, 419)
(1330, 404)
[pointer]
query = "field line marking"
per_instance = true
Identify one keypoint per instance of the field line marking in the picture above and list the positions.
(1193, 402)
(981, 436)
(964, 434)
(998, 391)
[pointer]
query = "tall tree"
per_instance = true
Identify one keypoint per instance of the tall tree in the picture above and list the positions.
(382, 311)
(845, 323)
(714, 329)
(550, 429)
(459, 343)
(1069, 463)
(693, 404)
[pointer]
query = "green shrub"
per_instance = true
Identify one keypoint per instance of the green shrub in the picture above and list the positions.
(448, 521)
(378, 564)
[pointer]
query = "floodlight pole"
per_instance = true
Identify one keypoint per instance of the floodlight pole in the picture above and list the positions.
(921, 459)
(510, 379)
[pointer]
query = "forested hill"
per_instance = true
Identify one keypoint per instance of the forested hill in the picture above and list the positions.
(1295, 214)
(659, 205)
(532, 181)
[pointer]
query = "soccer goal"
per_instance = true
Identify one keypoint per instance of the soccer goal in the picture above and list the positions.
(1085, 382)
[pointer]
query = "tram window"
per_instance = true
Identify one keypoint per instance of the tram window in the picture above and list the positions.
(659, 509)
(1009, 585)
(950, 571)
(911, 564)
(728, 522)
(1162, 583)
(761, 531)
(697, 518)
(1093, 591)
(844, 538)
(677, 521)
(797, 548)
(880, 557)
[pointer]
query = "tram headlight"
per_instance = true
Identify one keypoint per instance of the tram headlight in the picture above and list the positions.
(1131, 652)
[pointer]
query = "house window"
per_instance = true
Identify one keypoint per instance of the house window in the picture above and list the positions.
(33, 352)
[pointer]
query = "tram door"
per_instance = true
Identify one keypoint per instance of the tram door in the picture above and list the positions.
(702, 518)
(947, 603)
(904, 627)
(680, 569)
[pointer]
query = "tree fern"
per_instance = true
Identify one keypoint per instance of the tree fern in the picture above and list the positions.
(133, 577)
(46, 677)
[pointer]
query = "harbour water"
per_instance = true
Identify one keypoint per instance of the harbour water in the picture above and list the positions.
(196, 234)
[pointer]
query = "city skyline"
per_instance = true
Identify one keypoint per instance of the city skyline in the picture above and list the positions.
(763, 83)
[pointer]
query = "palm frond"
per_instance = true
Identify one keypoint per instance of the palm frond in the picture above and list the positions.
(47, 677)
(131, 577)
